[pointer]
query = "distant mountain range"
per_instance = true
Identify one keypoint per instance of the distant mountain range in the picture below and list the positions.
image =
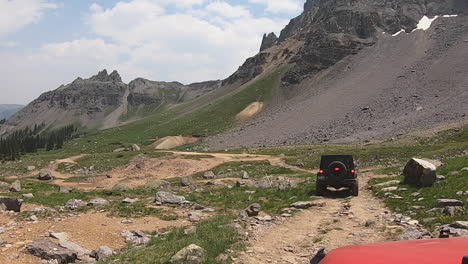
(7, 110)
(343, 70)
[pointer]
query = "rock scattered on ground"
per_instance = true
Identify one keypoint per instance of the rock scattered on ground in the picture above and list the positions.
(102, 253)
(169, 198)
(192, 254)
(130, 200)
(74, 204)
(15, 186)
(98, 202)
(45, 175)
(448, 202)
(136, 237)
(251, 210)
(46, 249)
(27, 195)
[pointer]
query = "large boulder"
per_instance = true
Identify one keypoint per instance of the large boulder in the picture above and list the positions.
(45, 175)
(49, 250)
(170, 198)
(11, 203)
(420, 172)
(191, 254)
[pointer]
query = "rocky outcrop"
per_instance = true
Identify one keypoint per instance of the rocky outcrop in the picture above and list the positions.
(251, 68)
(94, 100)
(191, 254)
(268, 41)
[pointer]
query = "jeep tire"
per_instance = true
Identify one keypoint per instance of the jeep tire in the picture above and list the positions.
(320, 189)
(354, 189)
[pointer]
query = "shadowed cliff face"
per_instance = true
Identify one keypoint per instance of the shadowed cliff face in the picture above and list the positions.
(333, 29)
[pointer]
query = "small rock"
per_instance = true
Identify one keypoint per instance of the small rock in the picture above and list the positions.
(120, 150)
(452, 210)
(415, 194)
(127, 221)
(448, 202)
(253, 210)
(307, 204)
(166, 197)
(15, 186)
(30, 168)
(135, 147)
(129, 200)
(28, 195)
(209, 175)
(120, 187)
(45, 175)
(413, 233)
(386, 184)
(440, 178)
(32, 218)
(389, 189)
(186, 181)
(98, 202)
(266, 218)
(63, 189)
(194, 216)
(73, 204)
(245, 175)
(102, 252)
(191, 254)
(136, 237)
(190, 230)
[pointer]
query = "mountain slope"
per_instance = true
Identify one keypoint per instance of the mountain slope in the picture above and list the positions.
(348, 80)
(7, 110)
(103, 101)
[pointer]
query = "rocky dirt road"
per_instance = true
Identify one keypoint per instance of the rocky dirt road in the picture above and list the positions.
(341, 222)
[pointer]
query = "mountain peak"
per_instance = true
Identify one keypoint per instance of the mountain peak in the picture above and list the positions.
(103, 76)
(268, 41)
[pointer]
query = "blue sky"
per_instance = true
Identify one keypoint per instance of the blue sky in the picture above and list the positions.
(46, 43)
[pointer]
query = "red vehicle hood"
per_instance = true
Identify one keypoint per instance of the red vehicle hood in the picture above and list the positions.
(428, 251)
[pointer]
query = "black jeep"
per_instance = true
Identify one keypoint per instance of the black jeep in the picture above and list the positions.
(337, 171)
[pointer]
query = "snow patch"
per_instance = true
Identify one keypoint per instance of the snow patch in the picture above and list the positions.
(425, 23)
(398, 33)
(449, 15)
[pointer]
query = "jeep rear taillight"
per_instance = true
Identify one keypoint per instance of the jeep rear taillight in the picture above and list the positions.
(337, 169)
(320, 171)
(353, 171)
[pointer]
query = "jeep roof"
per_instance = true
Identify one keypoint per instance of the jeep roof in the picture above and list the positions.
(327, 159)
(426, 251)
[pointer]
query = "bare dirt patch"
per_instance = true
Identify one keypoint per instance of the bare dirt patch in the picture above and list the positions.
(90, 230)
(250, 111)
(174, 142)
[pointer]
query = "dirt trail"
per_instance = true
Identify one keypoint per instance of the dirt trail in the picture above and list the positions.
(340, 223)
(141, 170)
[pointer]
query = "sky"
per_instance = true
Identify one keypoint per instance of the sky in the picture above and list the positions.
(46, 43)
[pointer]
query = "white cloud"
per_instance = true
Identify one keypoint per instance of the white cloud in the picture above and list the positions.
(280, 6)
(217, 38)
(16, 14)
(226, 10)
(8, 44)
(167, 40)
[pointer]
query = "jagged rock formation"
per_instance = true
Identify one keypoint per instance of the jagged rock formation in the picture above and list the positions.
(268, 41)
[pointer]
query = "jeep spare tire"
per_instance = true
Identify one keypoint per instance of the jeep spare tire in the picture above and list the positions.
(338, 168)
